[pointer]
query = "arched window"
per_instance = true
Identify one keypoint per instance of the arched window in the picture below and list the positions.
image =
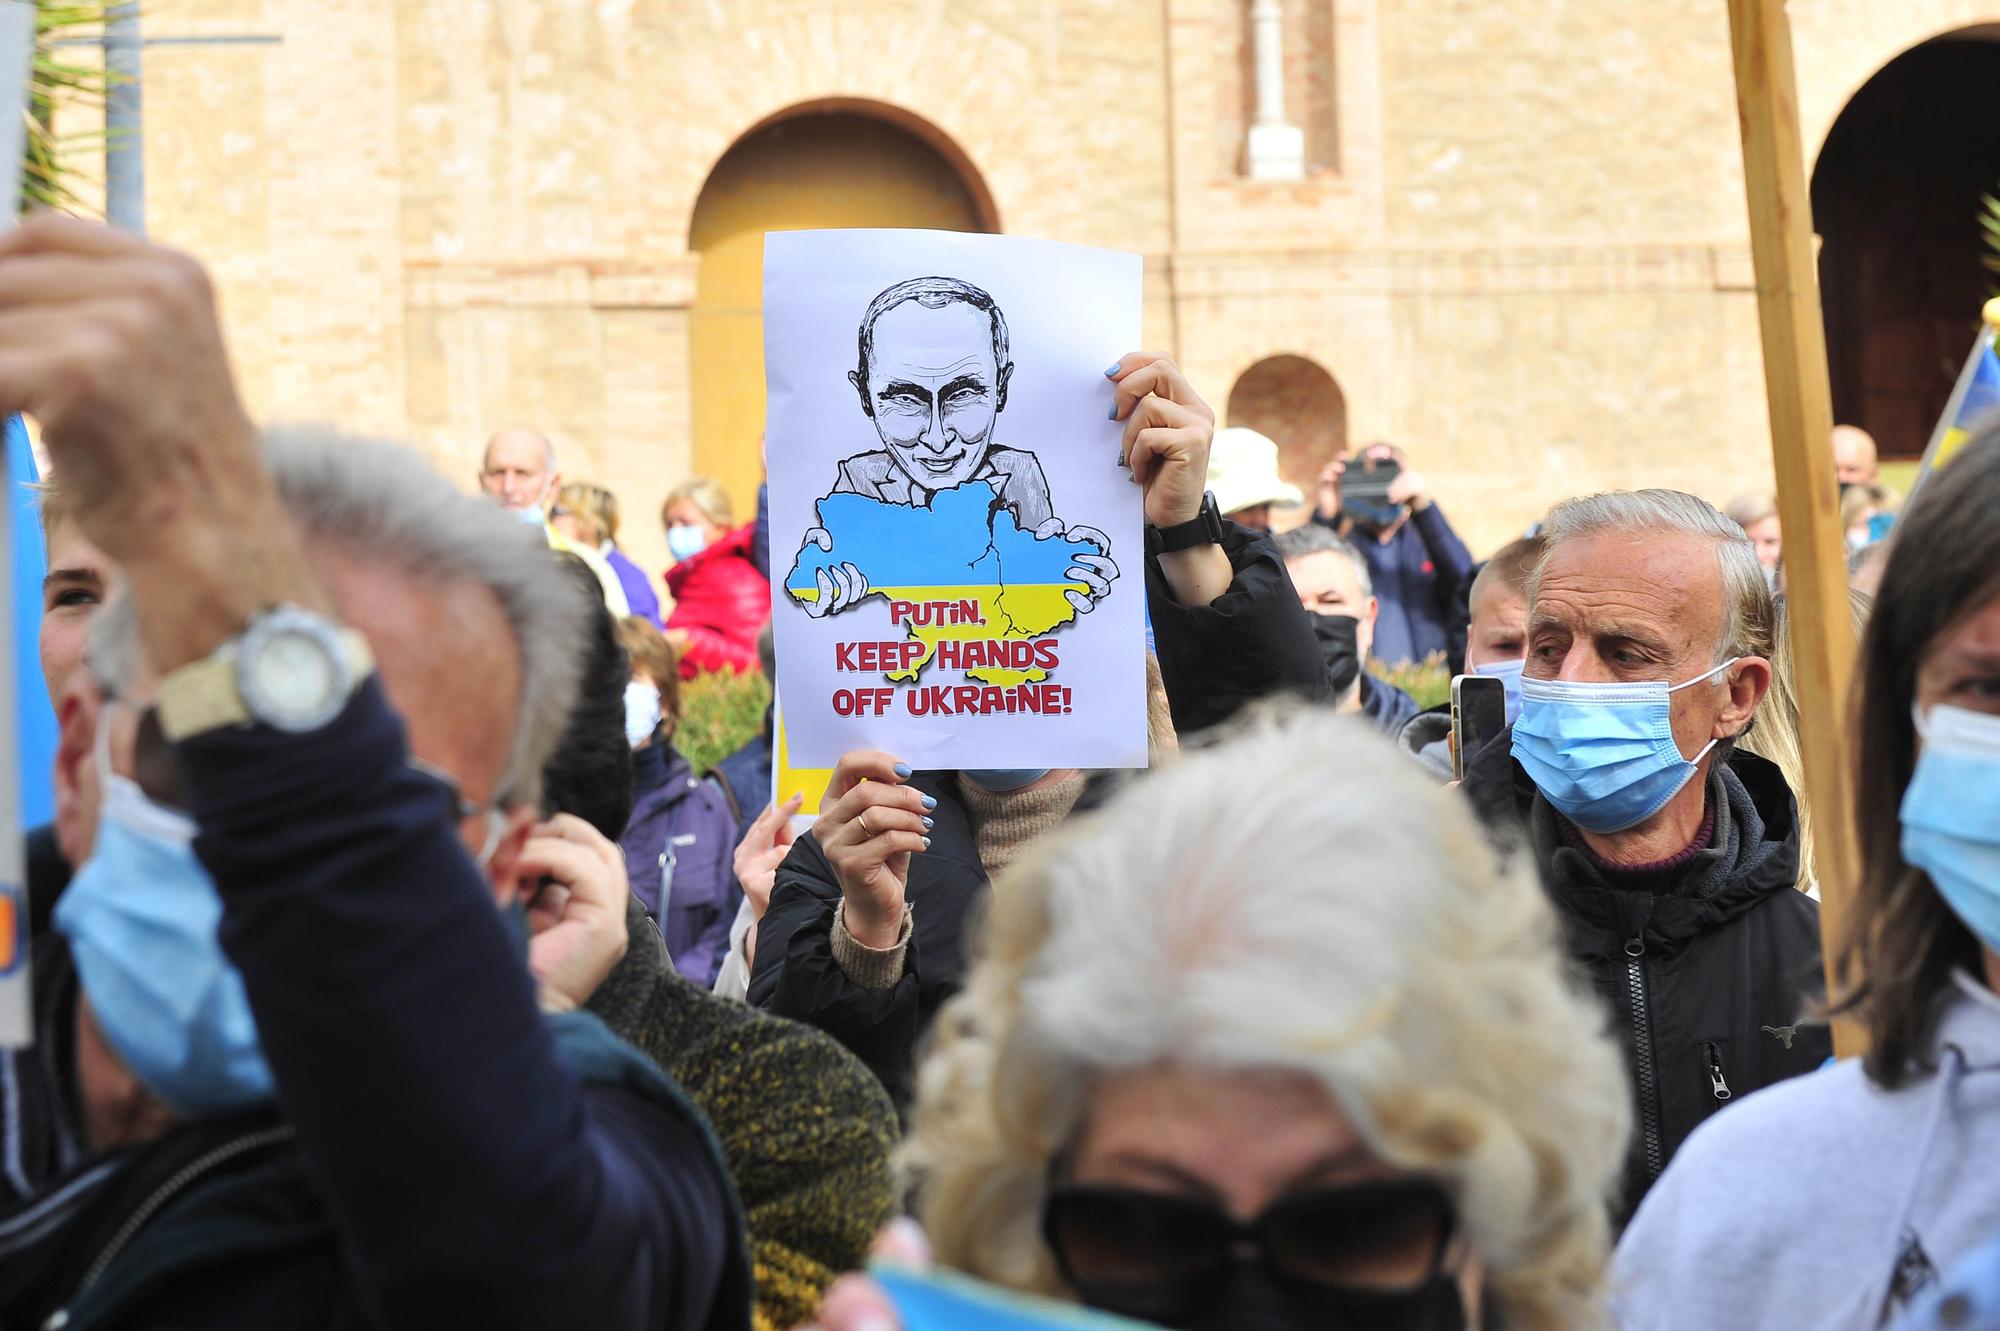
(1298, 405)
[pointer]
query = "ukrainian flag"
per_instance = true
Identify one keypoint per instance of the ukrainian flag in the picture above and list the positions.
(1976, 395)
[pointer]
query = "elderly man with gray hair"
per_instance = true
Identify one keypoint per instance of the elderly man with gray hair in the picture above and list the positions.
(343, 679)
(1671, 858)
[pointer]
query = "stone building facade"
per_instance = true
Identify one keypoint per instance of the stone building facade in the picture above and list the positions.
(1508, 234)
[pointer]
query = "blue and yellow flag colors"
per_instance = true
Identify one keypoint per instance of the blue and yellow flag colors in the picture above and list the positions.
(1975, 397)
(960, 576)
(1982, 395)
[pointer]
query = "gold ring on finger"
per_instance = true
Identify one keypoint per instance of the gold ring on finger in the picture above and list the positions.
(866, 830)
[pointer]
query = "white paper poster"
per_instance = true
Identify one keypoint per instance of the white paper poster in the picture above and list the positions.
(957, 555)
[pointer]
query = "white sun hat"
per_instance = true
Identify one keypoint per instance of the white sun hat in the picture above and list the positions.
(1243, 472)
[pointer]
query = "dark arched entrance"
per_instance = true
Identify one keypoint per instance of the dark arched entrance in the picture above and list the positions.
(1895, 199)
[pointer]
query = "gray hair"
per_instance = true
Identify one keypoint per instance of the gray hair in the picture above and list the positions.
(1316, 538)
(1194, 920)
(1748, 627)
(548, 445)
(383, 503)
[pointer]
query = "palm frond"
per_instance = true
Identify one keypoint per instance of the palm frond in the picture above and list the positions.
(59, 80)
(1989, 225)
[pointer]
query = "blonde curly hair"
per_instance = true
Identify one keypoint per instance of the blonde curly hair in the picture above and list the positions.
(1292, 898)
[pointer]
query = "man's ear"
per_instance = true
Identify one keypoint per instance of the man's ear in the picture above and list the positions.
(78, 783)
(1000, 398)
(1748, 680)
(503, 867)
(861, 387)
(1364, 636)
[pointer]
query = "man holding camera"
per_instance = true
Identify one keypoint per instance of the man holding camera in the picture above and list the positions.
(1415, 559)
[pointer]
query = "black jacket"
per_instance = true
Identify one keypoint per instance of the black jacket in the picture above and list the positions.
(1253, 641)
(458, 1159)
(1707, 974)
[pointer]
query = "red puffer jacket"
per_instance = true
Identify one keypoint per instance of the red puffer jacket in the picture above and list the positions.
(721, 602)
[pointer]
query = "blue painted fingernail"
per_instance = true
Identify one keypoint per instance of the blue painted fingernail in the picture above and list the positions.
(903, 770)
(929, 823)
(1114, 411)
(927, 843)
(930, 801)
(1111, 373)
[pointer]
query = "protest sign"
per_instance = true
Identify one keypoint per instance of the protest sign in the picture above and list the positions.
(958, 556)
(808, 783)
(945, 1301)
(17, 46)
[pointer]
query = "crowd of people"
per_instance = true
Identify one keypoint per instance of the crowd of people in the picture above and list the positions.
(394, 967)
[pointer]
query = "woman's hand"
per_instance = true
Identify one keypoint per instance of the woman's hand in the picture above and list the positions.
(762, 849)
(576, 921)
(1168, 431)
(856, 1303)
(870, 824)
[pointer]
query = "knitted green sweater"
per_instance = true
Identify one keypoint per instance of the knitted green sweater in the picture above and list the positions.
(807, 1131)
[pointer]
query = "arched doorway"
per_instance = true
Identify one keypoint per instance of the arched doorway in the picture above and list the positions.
(1298, 405)
(812, 168)
(1895, 197)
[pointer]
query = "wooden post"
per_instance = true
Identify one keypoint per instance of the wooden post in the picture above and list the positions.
(1795, 379)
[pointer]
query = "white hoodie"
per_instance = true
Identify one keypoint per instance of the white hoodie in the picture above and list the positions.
(1795, 1207)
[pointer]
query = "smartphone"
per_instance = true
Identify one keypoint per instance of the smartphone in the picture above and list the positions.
(1478, 717)
(1364, 491)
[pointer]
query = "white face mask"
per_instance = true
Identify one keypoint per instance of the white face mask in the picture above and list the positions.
(642, 712)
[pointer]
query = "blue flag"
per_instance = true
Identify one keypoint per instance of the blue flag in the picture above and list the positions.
(36, 717)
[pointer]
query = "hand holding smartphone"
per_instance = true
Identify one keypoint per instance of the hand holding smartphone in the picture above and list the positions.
(1478, 717)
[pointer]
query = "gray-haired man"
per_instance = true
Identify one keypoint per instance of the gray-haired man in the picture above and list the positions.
(295, 948)
(1672, 860)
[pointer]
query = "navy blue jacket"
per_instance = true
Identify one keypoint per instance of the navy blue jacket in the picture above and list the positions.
(1386, 705)
(475, 1175)
(1417, 576)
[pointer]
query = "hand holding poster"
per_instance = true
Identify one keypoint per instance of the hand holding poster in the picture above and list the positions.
(959, 574)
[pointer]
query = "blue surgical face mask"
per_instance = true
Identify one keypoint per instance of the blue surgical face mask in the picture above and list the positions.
(642, 712)
(1509, 675)
(684, 543)
(141, 917)
(1604, 754)
(1951, 815)
(1000, 780)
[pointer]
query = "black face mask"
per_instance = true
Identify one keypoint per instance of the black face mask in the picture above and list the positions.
(1339, 646)
(1253, 1301)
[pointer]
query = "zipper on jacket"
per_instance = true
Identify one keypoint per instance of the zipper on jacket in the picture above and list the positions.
(188, 1175)
(1712, 1052)
(1642, 1056)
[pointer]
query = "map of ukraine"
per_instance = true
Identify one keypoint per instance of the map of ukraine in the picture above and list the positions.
(975, 584)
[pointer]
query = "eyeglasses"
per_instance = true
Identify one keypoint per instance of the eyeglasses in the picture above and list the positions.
(1162, 1257)
(462, 808)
